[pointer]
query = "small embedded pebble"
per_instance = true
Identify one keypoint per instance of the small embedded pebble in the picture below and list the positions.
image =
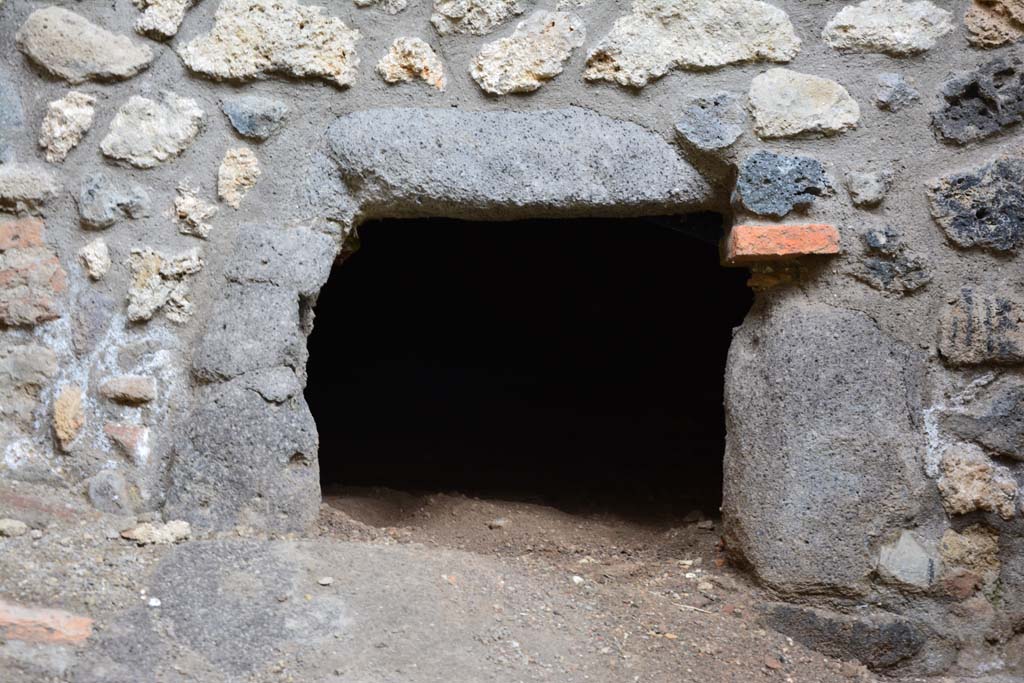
(325, 580)
(499, 523)
(12, 527)
(154, 602)
(706, 525)
(578, 580)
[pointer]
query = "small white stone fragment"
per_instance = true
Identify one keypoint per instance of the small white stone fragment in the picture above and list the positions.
(905, 561)
(531, 56)
(325, 580)
(160, 283)
(661, 35)
(161, 18)
(476, 17)
(154, 602)
(95, 257)
(578, 580)
(147, 132)
(892, 27)
(567, 5)
(159, 534)
(253, 38)
(386, 6)
(192, 212)
(12, 527)
(238, 174)
(410, 58)
(67, 120)
(786, 103)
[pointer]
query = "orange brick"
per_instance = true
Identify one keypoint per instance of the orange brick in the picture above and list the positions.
(42, 624)
(20, 234)
(756, 243)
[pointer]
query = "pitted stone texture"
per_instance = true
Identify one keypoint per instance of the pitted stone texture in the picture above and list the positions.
(531, 56)
(109, 492)
(995, 422)
(147, 132)
(868, 188)
(712, 123)
(476, 17)
(238, 173)
(298, 258)
(71, 47)
(26, 187)
(31, 277)
(403, 162)
(255, 38)
(661, 35)
(894, 92)
(908, 563)
(892, 27)
(161, 19)
(95, 258)
(68, 415)
(787, 103)
(991, 23)
(804, 437)
(982, 207)
(982, 103)
(878, 639)
(161, 283)
(25, 370)
(386, 6)
(970, 481)
(772, 184)
(242, 460)
(411, 58)
(102, 202)
(193, 213)
(149, 533)
(982, 327)
(255, 117)
(889, 265)
(67, 121)
(974, 550)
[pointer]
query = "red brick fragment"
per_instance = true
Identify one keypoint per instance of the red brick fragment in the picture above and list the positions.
(758, 243)
(42, 624)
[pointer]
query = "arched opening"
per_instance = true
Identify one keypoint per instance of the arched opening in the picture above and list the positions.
(577, 363)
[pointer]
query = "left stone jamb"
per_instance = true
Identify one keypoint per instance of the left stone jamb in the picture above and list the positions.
(248, 453)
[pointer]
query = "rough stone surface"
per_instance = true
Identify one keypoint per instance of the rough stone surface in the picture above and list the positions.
(878, 639)
(772, 184)
(971, 481)
(982, 327)
(147, 132)
(132, 440)
(161, 19)
(992, 23)
(26, 187)
(386, 6)
(71, 47)
(161, 283)
(12, 528)
(995, 423)
(95, 257)
(12, 114)
(868, 188)
(90, 319)
(476, 17)
(889, 265)
(42, 625)
(21, 234)
(68, 415)
(894, 92)
(255, 117)
(659, 36)
(129, 389)
(25, 369)
(795, 360)
(982, 103)
(712, 123)
(67, 121)
(406, 162)
(906, 562)
(747, 244)
(982, 207)
(787, 103)
(238, 173)
(299, 259)
(108, 491)
(32, 279)
(148, 533)
(411, 58)
(974, 550)
(102, 202)
(893, 27)
(193, 212)
(255, 38)
(531, 56)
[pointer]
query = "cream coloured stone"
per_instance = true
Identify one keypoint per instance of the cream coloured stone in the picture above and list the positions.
(147, 132)
(786, 103)
(531, 56)
(160, 283)
(476, 17)
(67, 120)
(991, 23)
(160, 534)
(161, 18)
(95, 257)
(253, 38)
(68, 415)
(71, 47)
(971, 481)
(661, 35)
(567, 5)
(386, 6)
(410, 58)
(192, 212)
(238, 174)
(25, 186)
(892, 27)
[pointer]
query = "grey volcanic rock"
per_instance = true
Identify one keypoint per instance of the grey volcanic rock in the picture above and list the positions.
(109, 492)
(101, 202)
(712, 123)
(772, 184)
(982, 327)
(983, 207)
(983, 102)
(894, 93)
(997, 424)
(878, 639)
(423, 162)
(821, 410)
(868, 188)
(12, 114)
(255, 117)
(298, 259)
(888, 264)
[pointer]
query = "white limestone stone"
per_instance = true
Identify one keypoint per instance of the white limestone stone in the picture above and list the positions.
(193, 213)
(160, 282)
(531, 56)
(238, 174)
(787, 103)
(476, 17)
(892, 27)
(147, 132)
(95, 257)
(67, 120)
(410, 58)
(386, 6)
(161, 18)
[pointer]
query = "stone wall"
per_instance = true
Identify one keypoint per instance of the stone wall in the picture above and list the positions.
(176, 182)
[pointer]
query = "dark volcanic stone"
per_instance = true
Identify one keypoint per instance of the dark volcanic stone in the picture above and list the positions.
(894, 93)
(983, 207)
(982, 327)
(712, 123)
(878, 639)
(999, 427)
(772, 184)
(888, 266)
(101, 203)
(255, 117)
(982, 102)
